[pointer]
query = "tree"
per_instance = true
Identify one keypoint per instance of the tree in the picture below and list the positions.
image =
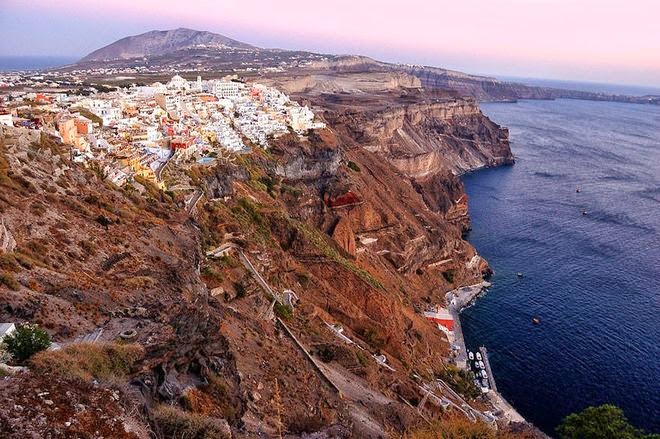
(603, 422)
(26, 341)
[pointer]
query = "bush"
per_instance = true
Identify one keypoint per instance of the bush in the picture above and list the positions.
(285, 312)
(460, 380)
(84, 361)
(240, 290)
(353, 166)
(178, 424)
(603, 422)
(8, 262)
(362, 358)
(449, 276)
(26, 341)
(326, 354)
(24, 260)
(7, 279)
(371, 337)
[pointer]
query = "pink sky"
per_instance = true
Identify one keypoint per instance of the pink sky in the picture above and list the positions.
(600, 40)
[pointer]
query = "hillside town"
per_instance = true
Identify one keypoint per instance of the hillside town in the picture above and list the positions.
(134, 131)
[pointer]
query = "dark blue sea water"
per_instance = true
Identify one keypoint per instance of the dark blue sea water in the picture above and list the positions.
(12, 63)
(594, 280)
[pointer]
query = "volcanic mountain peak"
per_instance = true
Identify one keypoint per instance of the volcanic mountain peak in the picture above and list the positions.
(156, 42)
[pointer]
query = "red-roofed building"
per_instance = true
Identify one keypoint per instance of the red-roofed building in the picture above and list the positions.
(442, 317)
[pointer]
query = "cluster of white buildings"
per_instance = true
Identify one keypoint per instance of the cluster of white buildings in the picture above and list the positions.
(134, 131)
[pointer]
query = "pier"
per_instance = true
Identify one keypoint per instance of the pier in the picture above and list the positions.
(491, 376)
(457, 300)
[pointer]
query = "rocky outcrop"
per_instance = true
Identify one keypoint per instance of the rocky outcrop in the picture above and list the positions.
(320, 83)
(422, 139)
(7, 241)
(344, 236)
(316, 160)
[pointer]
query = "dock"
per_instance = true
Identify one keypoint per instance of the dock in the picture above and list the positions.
(491, 376)
(458, 299)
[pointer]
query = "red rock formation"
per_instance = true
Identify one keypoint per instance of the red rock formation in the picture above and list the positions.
(344, 236)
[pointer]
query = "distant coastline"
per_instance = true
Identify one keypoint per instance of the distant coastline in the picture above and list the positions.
(591, 87)
(15, 63)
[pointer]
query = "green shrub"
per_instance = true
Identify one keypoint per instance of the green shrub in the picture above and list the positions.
(449, 276)
(603, 422)
(353, 166)
(460, 380)
(26, 341)
(285, 312)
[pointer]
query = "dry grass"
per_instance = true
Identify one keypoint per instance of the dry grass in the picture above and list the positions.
(457, 427)
(7, 279)
(84, 361)
(178, 424)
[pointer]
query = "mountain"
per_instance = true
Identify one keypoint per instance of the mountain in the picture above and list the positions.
(188, 50)
(162, 42)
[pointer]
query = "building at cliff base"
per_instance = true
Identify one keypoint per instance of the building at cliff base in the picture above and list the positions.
(442, 317)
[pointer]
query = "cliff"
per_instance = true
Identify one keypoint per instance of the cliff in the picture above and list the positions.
(365, 242)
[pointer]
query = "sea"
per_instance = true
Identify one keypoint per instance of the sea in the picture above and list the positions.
(590, 260)
(15, 63)
(594, 87)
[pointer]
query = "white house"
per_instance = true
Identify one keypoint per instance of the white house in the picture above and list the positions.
(178, 83)
(227, 89)
(5, 119)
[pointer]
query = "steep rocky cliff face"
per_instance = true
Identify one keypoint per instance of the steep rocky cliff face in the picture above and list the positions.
(362, 220)
(422, 139)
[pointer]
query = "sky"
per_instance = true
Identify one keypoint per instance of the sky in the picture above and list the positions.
(613, 41)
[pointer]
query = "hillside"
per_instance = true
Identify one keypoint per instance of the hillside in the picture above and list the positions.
(157, 43)
(362, 240)
(199, 51)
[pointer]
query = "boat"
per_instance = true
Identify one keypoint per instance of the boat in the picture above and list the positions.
(470, 356)
(536, 320)
(577, 190)
(484, 374)
(481, 365)
(478, 356)
(585, 212)
(520, 274)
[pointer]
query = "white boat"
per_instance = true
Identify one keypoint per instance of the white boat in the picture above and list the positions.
(484, 375)
(481, 365)
(470, 356)
(478, 356)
